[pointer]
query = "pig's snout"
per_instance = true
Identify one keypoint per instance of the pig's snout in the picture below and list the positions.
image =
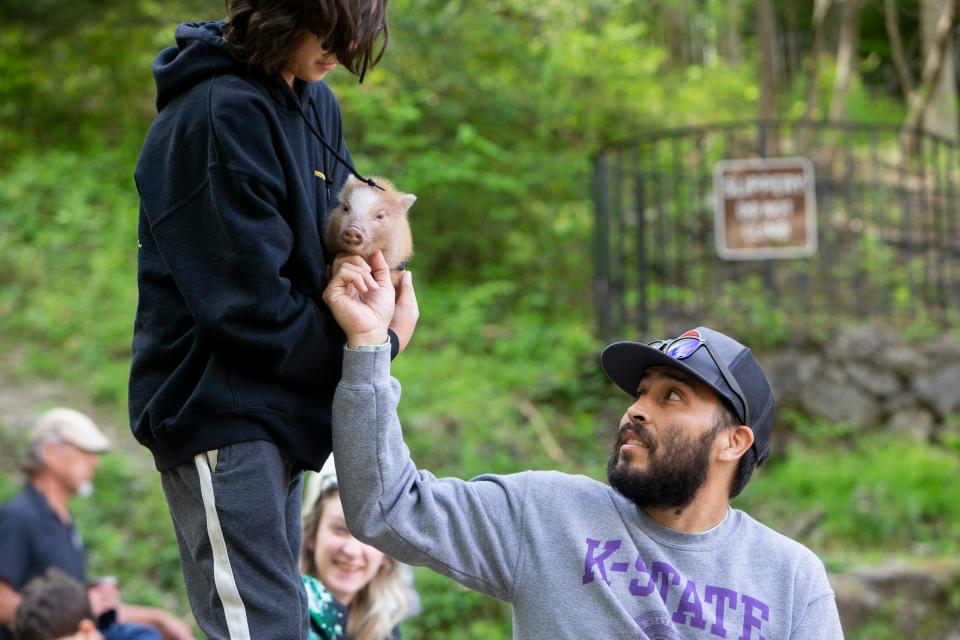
(352, 236)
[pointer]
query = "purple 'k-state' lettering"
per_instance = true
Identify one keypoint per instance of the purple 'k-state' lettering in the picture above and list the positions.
(690, 604)
(750, 621)
(689, 609)
(720, 595)
(635, 587)
(669, 574)
(591, 560)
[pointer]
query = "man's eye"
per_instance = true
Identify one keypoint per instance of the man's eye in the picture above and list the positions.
(673, 395)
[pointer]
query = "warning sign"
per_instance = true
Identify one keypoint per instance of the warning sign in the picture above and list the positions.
(765, 208)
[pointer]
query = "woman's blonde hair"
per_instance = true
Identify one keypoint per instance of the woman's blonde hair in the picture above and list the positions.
(380, 605)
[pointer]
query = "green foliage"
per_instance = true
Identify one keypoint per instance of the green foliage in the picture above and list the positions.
(878, 493)
(472, 370)
(950, 435)
(67, 267)
(882, 626)
(76, 74)
(452, 612)
(491, 114)
(812, 429)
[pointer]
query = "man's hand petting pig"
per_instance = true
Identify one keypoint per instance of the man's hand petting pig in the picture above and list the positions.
(364, 302)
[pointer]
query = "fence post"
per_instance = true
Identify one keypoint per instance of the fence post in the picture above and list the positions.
(768, 276)
(640, 197)
(601, 244)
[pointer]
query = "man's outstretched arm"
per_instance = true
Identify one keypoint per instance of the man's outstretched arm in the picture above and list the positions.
(469, 531)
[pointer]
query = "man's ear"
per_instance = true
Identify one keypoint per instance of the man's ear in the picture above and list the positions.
(49, 451)
(736, 441)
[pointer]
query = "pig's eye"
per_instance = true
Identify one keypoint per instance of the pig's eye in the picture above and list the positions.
(346, 207)
(381, 215)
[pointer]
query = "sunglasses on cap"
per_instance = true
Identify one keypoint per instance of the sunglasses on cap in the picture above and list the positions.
(686, 345)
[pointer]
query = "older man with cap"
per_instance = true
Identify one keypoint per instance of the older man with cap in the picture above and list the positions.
(37, 532)
(660, 554)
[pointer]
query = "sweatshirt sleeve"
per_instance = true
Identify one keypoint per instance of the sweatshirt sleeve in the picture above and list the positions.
(470, 531)
(820, 620)
(818, 617)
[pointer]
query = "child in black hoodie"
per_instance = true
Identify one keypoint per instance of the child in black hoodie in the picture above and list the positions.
(235, 356)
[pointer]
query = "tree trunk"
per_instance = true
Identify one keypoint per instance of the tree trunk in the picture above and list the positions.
(820, 10)
(896, 49)
(766, 31)
(931, 67)
(676, 23)
(732, 44)
(846, 57)
(940, 110)
(791, 55)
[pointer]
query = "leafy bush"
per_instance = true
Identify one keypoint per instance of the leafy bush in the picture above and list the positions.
(67, 267)
(452, 612)
(875, 495)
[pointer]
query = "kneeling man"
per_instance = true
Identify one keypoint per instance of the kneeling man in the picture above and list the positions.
(659, 554)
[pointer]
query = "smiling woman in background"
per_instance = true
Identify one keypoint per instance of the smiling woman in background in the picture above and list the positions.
(354, 590)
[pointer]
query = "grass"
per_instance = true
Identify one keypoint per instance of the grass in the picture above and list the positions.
(878, 496)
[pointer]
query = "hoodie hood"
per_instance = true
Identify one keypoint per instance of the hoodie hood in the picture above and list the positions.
(201, 52)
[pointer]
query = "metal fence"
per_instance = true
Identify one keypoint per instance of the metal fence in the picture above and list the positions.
(888, 234)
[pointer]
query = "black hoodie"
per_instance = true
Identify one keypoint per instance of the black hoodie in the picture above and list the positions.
(232, 341)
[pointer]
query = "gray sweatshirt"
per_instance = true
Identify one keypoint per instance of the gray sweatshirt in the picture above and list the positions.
(574, 557)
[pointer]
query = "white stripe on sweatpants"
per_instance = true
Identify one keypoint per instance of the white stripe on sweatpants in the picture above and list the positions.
(233, 607)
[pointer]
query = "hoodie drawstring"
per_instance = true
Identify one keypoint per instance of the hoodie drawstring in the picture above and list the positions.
(319, 136)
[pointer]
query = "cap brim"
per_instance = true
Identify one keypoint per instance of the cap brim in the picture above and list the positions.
(90, 444)
(625, 363)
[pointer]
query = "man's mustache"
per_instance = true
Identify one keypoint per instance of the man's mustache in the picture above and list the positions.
(639, 432)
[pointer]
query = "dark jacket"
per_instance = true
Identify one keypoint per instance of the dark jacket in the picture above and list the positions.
(232, 341)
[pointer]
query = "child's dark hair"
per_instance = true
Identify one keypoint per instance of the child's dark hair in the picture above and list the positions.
(266, 33)
(52, 606)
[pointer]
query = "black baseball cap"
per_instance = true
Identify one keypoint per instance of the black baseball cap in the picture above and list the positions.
(752, 402)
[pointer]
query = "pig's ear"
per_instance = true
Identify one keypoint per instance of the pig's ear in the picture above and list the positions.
(406, 201)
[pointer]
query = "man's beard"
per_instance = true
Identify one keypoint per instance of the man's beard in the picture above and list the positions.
(676, 469)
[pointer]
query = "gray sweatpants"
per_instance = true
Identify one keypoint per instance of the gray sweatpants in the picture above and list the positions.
(236, 512)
